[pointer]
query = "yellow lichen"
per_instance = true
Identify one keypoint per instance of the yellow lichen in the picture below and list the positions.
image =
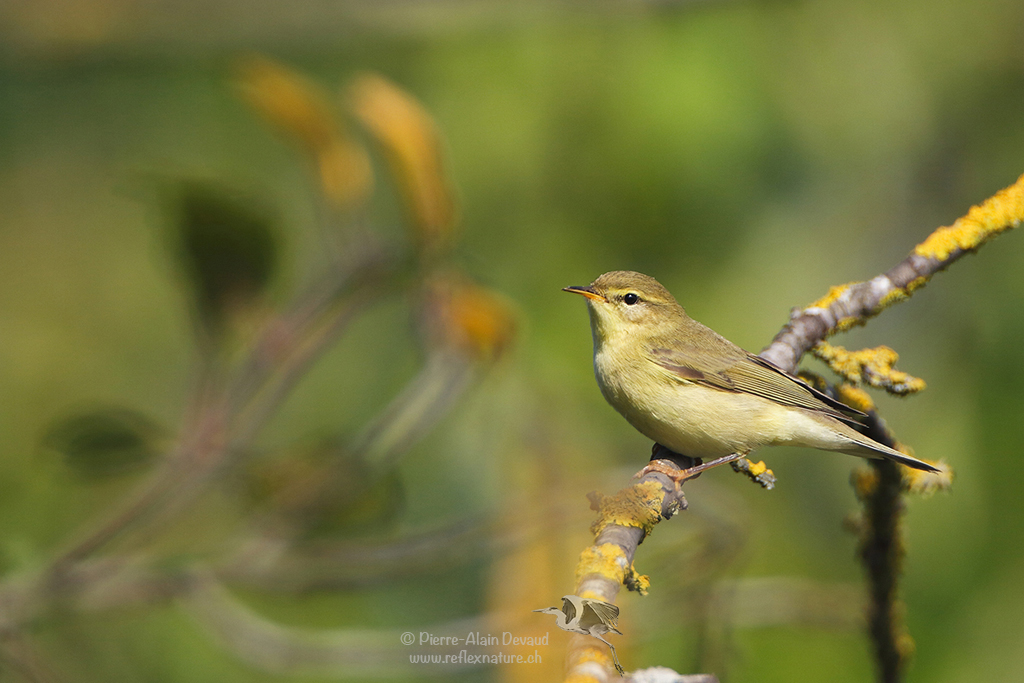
(895, 296)
(848, 323)
(925, 483)
(640, 583)
(855, 397)
(590, 652)
(834, 293)
(1000, 212)
(916, 284)
(865, 481)
(757, 468)
(906, 646)
(580, 678)
(607, 560)
(635, 506)
(870, 366)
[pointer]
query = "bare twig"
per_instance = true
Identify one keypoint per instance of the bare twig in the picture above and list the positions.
(423, 401)
(280, 649)
(274, 564)
(19, 653)
(224, 421)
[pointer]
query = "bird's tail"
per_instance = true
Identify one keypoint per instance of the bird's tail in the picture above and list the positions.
(870, 448)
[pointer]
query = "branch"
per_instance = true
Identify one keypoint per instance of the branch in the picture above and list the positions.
(880, 489)
(849, 305)
(289, 650)
(220, 421)
(628, 517)
(18, 653)
(624, 520)
(280, 566)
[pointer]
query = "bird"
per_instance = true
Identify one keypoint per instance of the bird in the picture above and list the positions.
(696, 393)
(589, 617)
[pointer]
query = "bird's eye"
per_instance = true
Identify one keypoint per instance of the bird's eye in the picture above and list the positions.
(630, 299)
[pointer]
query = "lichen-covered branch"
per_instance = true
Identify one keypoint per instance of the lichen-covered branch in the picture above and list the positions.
(881, 549)
(849, 305)
(874, 367)
(624, 520)
(880, 486)
(629, 516)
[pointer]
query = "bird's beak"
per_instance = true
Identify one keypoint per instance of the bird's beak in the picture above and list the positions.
(587, 291)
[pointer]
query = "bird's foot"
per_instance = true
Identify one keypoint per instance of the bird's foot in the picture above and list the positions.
(678, 475)
(666, 467)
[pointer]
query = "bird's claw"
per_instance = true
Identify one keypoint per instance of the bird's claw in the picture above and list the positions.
(678, 476)
(668, 468)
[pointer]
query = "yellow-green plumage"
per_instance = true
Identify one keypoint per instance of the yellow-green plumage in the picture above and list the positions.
(698, 394)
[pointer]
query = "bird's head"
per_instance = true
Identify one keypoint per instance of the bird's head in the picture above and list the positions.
(625, 304)
(549, 610)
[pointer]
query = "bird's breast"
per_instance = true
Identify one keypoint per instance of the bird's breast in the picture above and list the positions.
(686, 417)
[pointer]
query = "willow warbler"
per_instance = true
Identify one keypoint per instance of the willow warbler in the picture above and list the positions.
(698, 394)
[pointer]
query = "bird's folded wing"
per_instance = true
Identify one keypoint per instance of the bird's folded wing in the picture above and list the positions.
(752, 374)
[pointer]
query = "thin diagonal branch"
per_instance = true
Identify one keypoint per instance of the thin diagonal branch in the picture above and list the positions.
(852, 304)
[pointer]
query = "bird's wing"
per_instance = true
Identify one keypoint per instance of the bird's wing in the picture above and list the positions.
(569, 609)
(606, 612)
(739, 371)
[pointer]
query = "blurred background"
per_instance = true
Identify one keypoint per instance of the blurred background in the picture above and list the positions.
(419, 479)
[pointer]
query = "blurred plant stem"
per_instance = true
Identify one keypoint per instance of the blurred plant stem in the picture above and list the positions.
(243, 374)
(225, 414)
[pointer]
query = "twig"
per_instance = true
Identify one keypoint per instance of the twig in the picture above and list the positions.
(274, 564)
(628, 517)
(849, 305)
(280, 649)
(424, 400)
(624, 521)
(882, 551)
(214, 435)
(19, 654)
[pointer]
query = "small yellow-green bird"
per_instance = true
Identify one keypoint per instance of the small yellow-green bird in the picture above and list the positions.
(698, 394)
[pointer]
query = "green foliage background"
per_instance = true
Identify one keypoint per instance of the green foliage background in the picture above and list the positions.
(748, 155)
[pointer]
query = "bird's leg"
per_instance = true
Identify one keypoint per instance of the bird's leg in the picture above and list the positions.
(694, 471)
(667, 462)
(681, 475)
(615, 657)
